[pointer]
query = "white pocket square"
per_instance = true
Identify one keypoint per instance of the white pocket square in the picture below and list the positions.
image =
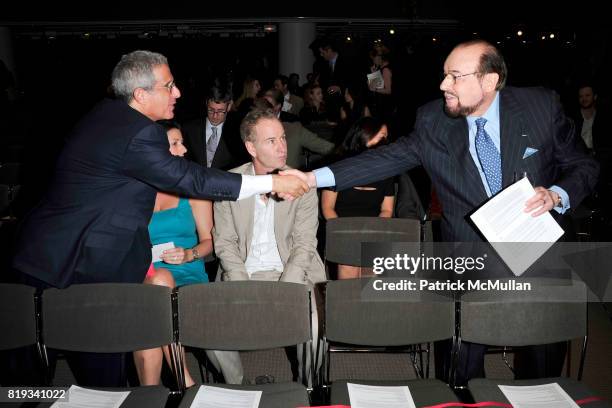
(529, 151)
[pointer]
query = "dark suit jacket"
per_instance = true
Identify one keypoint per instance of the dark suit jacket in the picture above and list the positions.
(230, 151)
(529, 117)
(92, 225)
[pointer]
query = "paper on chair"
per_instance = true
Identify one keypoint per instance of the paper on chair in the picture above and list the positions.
(157, 250)
(538, 396)
(79, 397)
(216, 397)
(512, 231)
(369, 396)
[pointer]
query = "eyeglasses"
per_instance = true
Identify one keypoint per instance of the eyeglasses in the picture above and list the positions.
(216, 112)
(454, 77)
(169, 86)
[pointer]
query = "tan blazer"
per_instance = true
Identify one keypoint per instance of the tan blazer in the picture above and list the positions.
(295, 229)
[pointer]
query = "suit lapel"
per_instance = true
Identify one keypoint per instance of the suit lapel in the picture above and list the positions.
(513, 139)
(200, 140)
(246, 209)
(456, 139)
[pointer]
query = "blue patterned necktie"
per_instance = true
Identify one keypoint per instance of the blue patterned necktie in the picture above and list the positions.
(489, 157)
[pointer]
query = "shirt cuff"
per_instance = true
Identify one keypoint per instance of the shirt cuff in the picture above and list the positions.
(325, 177)
(252, 185)
(565, 202)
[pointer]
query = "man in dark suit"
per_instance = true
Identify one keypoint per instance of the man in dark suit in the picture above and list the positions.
(214, 139)
(472, 144)
(594, 126)
(337, 72)
(92, 224)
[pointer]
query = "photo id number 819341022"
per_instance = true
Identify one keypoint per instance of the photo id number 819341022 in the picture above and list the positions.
(33, 394)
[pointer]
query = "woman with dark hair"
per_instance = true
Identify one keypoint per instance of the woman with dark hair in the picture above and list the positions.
(353, 108)
(315, 116)
(187, 223)
(372, 200)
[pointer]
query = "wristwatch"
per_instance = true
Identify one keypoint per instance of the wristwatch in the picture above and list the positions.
(195, 254)
(558, 202)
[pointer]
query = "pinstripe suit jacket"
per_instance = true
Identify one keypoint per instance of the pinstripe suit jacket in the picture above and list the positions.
(529, 117)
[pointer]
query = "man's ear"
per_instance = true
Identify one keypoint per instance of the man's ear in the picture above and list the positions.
(490, 81)
(140, 95)
(250, 146)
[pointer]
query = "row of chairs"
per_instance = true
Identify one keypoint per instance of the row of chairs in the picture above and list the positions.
(262, 315)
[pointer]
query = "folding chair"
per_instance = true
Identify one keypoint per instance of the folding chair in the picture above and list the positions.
(111, 318)
(248, 315)
(360, 319)
(344, 236)
(554, 310)
(18, 323)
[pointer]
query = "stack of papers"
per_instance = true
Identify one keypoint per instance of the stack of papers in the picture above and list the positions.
(369, 396)
(215, 397)
(538, 396)
(511, 231)
(85, 398)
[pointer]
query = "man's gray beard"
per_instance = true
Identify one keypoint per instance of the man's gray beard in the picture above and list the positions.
(463, 111)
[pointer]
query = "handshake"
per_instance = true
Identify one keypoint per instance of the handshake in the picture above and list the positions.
(291, 184)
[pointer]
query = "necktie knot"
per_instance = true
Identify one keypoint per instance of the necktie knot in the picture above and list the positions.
(480, 123)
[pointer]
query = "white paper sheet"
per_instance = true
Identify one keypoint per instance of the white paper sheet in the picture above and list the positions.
(538, 396)
(376, 79)
(369, 396)
(157, 250)
(215, 397)
(79, 397)
(513, 232)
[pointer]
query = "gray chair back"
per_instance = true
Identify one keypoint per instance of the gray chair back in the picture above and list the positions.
(344, 236)
(17, 316)
(553, 311)
(107, 317)
(244, 315)
(358, 315)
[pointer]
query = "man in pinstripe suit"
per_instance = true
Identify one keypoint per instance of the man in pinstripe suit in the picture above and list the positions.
(528, 129)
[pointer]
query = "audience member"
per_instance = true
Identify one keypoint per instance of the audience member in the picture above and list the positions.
(213, 140)
(292, 103)
(187, 223)
(250, 90)
(370, 200)
(382, 102)
(315, 115)
(300, 140)
(263, 238)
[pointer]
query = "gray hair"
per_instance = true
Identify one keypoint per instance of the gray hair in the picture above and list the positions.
(247, 127)
(135, 70)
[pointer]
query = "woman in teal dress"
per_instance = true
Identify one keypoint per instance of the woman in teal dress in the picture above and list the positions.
(187, 223)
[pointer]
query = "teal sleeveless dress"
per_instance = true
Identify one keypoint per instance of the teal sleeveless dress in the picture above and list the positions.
(177, 225)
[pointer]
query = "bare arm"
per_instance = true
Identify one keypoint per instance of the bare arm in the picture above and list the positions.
(328, 204)
(203, 216)
(386, 207)
(387, 75)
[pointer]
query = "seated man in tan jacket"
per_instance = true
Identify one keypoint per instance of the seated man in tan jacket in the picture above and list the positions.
(263, 238)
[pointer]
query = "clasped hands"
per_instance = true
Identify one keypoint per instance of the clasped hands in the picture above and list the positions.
(291, 184)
